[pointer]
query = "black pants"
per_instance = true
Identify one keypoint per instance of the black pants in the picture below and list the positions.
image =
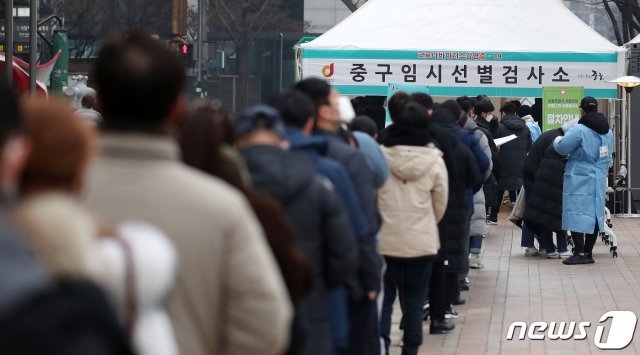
(362, 339)
(438, 302)
(410, 277)
(495, 209)
(584, 243)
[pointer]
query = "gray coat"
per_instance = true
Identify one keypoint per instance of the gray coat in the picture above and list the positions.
(478, 224)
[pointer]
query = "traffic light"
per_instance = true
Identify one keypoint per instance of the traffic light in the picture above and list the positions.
(183, 50)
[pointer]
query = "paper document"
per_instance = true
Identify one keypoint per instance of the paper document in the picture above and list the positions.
(503, 140)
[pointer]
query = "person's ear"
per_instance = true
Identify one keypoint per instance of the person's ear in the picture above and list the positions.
(14, 157)
(177, 112)
(308, 127)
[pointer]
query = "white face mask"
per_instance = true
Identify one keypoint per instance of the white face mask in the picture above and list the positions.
(489, 117)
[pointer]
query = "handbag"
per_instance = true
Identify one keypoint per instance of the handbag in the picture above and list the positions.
(517, 214)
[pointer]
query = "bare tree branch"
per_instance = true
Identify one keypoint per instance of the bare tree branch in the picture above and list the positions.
(353, 5)
(614, 22)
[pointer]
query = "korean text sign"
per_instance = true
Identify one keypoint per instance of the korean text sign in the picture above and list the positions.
(368, 72)
(560, 105)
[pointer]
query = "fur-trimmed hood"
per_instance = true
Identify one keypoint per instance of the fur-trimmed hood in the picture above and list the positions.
(71, 244)
(63, 236)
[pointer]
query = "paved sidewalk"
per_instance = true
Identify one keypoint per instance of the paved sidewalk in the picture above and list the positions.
(513, 287)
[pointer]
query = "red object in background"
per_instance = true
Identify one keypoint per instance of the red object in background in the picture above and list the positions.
(185, 49)
(21, 78)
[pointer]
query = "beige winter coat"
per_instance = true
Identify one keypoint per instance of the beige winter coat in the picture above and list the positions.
(413, 201)
(229, 296)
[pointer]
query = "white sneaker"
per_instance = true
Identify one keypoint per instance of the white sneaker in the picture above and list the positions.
(553, 255)
(475, 261)
(532, 251)
(565, 254)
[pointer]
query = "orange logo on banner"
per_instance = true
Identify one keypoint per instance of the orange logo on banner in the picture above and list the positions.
(327, 70)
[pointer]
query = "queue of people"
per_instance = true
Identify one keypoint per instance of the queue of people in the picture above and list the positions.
(173, 228)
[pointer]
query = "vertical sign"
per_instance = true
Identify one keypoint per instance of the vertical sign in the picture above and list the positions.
(560, 105)
(60, 73)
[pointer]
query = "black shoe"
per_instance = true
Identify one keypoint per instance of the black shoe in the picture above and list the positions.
(577, 259)
(458, 302)
(464, 287)
(451, 313)
(440, 327)
(425, 312)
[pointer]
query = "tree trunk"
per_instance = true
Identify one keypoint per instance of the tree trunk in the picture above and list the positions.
(614, 22)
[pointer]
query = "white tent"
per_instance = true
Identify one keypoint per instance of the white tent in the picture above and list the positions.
(497, 47)
(635, 40)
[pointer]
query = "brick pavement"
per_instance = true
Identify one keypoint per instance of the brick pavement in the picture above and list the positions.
(513, 287)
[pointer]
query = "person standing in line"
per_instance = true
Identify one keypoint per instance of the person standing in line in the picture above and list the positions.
(411, 203)
(483, 162)
(488, 125)
(512, 156)
(40, 314)
(362, 307)
(543, 213)
(457, 218)
(297, 112)
(588, 146)
(313, 208)
(202, 143)
(222, 304)
(478, 226)
(73, 245)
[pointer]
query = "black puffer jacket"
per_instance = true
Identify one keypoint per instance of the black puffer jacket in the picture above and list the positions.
(513, 153)
(455, 223)
(321, 224)
(544, 207)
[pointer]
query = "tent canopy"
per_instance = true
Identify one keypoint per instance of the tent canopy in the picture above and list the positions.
(469, 25)
(635, 40)
(457, 47)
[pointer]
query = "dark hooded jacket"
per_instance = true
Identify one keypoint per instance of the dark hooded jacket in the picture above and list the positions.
(360, 173)
(455, 223)
(369, 268)
(513, 153)
(545, 167)
(323, 230)
(316, 149)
